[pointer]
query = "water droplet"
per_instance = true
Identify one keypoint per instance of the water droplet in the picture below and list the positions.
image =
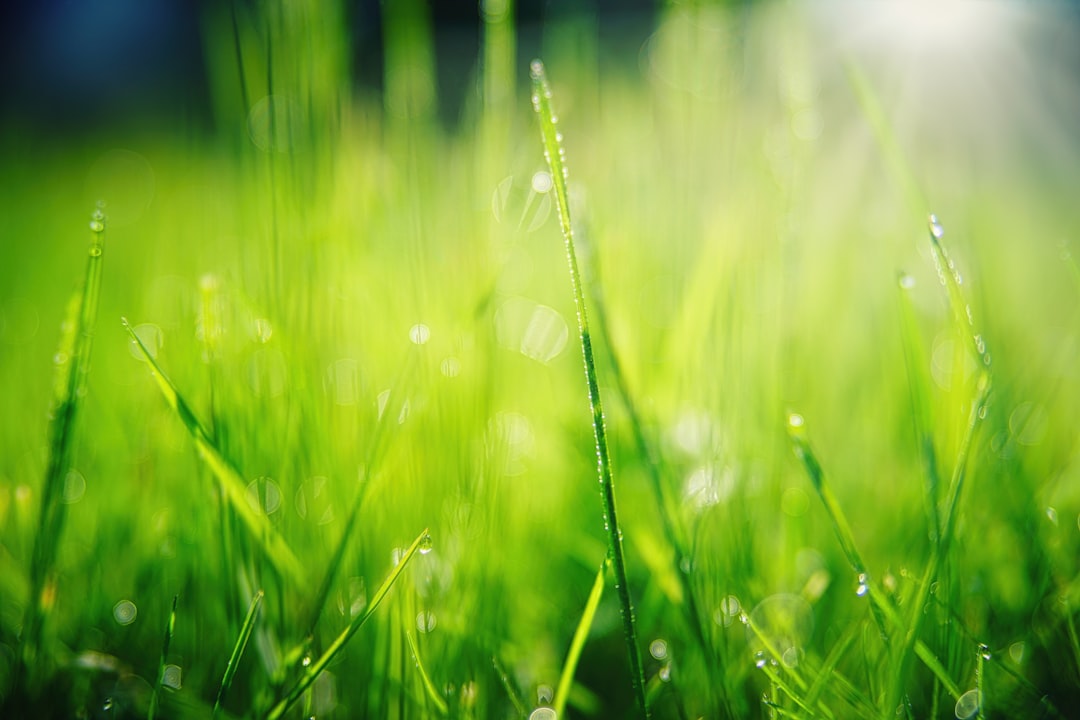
(658, 649)
(108, 704)
(967, 705)
(1052, 515)
(450, 367)
(264, 495)
(544, 694)
(984, 651)
(171, 677)
(96, 226)
(665, 673)
(536, 69)
(935, 227)
(125, 612)
(759, 659)
(863, 587)
(795, 420)
(543, 713)
(1017, 651)
(426, 621)
(420, 334)
(426, 544)
(907, 282)
(151, 337)
(542, 182)
(74, 487)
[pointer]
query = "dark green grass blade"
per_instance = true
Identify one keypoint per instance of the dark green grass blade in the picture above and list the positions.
(312, 671)
(511, 691)
(238, 650)
(429, 686)
(169, 628)
(232, 483)
(573, 655)
(73, 367)
(553, 152)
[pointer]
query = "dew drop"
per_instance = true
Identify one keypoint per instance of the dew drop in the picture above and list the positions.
(536, 69)
(935, 227)
(906, 281)
(420, 334)
(759, 659)
(659, 649)
(125, 612)
(984, 651)
(172, 676)
(665, 673)
(967, 705)
(863, 587)
(543, 713)
(426, 621)
(795, 420)
(97, 226)
(306, 662)
(426, 544)
(542, 182)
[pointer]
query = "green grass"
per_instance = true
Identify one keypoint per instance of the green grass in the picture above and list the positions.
(351, 318)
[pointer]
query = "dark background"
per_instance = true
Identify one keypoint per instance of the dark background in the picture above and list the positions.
(76, 66)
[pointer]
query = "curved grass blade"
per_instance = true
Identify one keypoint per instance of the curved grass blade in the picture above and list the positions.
(232, 483)
(554, 155)
(313, 671)
(238, 650)
(73, 367)
(163, 661)
(573, 655)
(429, 686)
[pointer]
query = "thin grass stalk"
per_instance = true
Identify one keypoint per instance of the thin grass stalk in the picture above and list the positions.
(429, 686)
(232, 483)
(374, 454)
(163, 662)
(312, 672)
(573, 655)
(803, 451)
(238, 651)
(508, 685)
(73, 368)
(553, 153)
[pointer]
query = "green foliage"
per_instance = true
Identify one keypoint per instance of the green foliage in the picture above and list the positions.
(367, 326)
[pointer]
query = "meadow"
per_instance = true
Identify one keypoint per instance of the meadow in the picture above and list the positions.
(312, 417)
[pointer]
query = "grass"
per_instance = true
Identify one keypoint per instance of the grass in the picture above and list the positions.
(351, 319)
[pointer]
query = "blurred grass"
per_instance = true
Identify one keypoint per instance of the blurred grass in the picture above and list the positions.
(746, 232)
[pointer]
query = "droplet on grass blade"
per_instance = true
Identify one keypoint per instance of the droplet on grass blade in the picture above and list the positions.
(426, 621)
(543, 713)
(426, 544)
(658, 648)
(967, 705)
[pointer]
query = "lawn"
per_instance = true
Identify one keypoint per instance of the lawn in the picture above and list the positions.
(305, 413)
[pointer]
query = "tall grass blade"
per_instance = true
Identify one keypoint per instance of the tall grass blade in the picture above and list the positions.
(312, 671)
(72, 368)
(232, 483)
(511, 691)
(169, 628)
(573, 655)
(553, 153)
(803, 451)
(238, 651)
(429, 686)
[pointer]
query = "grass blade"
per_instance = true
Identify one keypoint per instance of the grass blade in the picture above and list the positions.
(312, 672)
(238, 650)
(573, 655)
(554, 154)
(73, 367)
(232, 483)
(163, 661)
(429, 686)
(511, 691)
